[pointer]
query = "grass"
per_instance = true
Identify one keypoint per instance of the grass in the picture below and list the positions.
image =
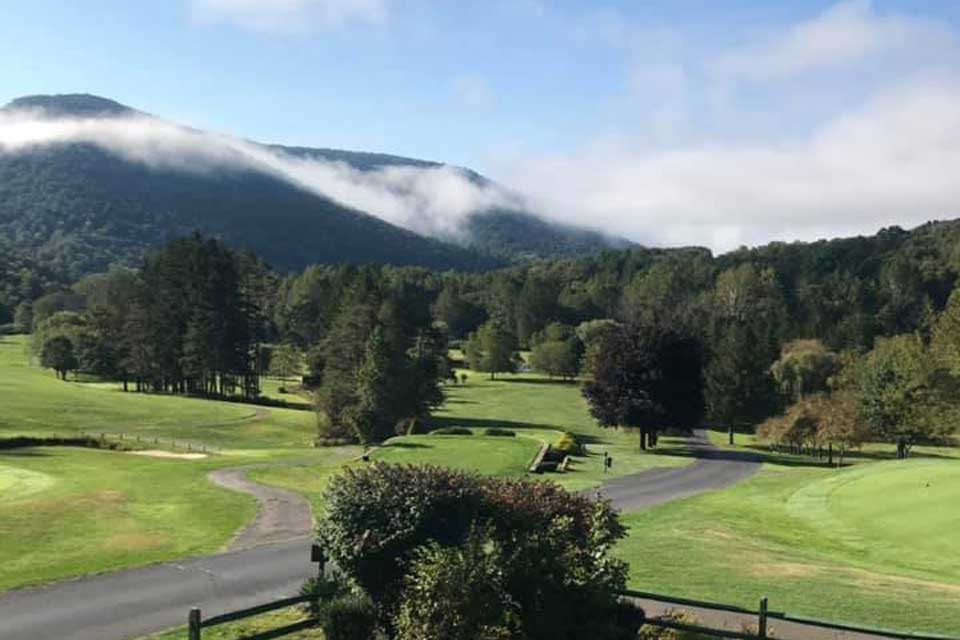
(537, 409)
(36, 403)
(65, 512)
(541, 410)
(490, 455)
(249, 626)
(874, 544)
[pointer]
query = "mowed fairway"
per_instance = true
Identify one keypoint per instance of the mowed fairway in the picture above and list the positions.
(74, 511)
(538, 410)
(36, 403)
(876, 544)
(67, 511)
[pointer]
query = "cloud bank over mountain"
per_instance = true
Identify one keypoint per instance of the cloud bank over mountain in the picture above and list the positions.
(433, 200)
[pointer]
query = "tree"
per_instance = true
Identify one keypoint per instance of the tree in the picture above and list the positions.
(904, 394)
(592, 334)
(558, 358)
(556, 351)
(58, 354)
(804, 367)
(839, 421)
(23, 318)
(492, 349)
(369, 415)
(286, 361)
(946, 334)
(460, 316)
(747, 315)
(647, 377)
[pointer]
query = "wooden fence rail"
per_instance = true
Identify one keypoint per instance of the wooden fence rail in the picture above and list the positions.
(196, 623)
(763, 616)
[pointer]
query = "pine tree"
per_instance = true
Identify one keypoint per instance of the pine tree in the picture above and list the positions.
(369, 416)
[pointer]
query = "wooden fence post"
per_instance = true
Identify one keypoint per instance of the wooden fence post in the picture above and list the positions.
(193, 624)
(762, 623)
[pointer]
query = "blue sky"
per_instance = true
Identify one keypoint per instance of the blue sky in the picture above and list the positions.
(628, 115)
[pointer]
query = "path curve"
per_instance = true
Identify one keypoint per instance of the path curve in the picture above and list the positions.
(714, 468)
(281, 515)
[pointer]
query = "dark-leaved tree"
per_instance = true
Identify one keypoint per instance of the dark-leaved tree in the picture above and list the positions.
(647, 377)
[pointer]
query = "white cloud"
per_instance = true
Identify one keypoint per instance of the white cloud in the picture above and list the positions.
(894, 160)
(474, 93)
(271, 16)
(432, 200)
(842, 36)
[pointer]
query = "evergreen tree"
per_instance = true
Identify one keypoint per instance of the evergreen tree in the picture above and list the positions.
(369, 416)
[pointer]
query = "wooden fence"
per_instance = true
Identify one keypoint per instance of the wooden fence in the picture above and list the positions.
(763, 617)
(196, 623)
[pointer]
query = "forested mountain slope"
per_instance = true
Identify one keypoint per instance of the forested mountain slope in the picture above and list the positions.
(78, 207)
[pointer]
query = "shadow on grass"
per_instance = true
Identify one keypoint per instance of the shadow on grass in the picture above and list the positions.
(407, 445)
(532, 380)
(23, 453)
(438, 422)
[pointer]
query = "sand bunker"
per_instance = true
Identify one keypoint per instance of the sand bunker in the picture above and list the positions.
(156, 453)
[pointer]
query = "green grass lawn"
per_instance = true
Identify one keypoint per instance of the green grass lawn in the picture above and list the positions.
(249, 626)
(65, 512)
(36, 403)
(874, 544)
(541, 409)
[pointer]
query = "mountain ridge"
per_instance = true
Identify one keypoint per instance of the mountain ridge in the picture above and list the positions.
(70, 181)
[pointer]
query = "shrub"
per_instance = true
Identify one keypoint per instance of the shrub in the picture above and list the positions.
(324, 589)
(457, 592)
(551, 547)
(494, 431)
(349, 617)
(567, 444)
(452, 431)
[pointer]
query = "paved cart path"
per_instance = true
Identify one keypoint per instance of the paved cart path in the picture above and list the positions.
(714, 468)
(281, 515)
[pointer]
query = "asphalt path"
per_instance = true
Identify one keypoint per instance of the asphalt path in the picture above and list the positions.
(128, 604)
(714, 468)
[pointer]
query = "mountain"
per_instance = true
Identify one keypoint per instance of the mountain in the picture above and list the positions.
(107, 184)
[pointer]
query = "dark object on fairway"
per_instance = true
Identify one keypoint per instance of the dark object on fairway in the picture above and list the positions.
(607, 461)
(365, 457)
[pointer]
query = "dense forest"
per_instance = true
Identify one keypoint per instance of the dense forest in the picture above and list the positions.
(740, 339)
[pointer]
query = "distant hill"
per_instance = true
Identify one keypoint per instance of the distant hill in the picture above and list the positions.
(79, 207)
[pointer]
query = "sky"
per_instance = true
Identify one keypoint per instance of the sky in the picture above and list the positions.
(716, 123)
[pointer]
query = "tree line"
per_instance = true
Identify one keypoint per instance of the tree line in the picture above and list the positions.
(200, 318)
